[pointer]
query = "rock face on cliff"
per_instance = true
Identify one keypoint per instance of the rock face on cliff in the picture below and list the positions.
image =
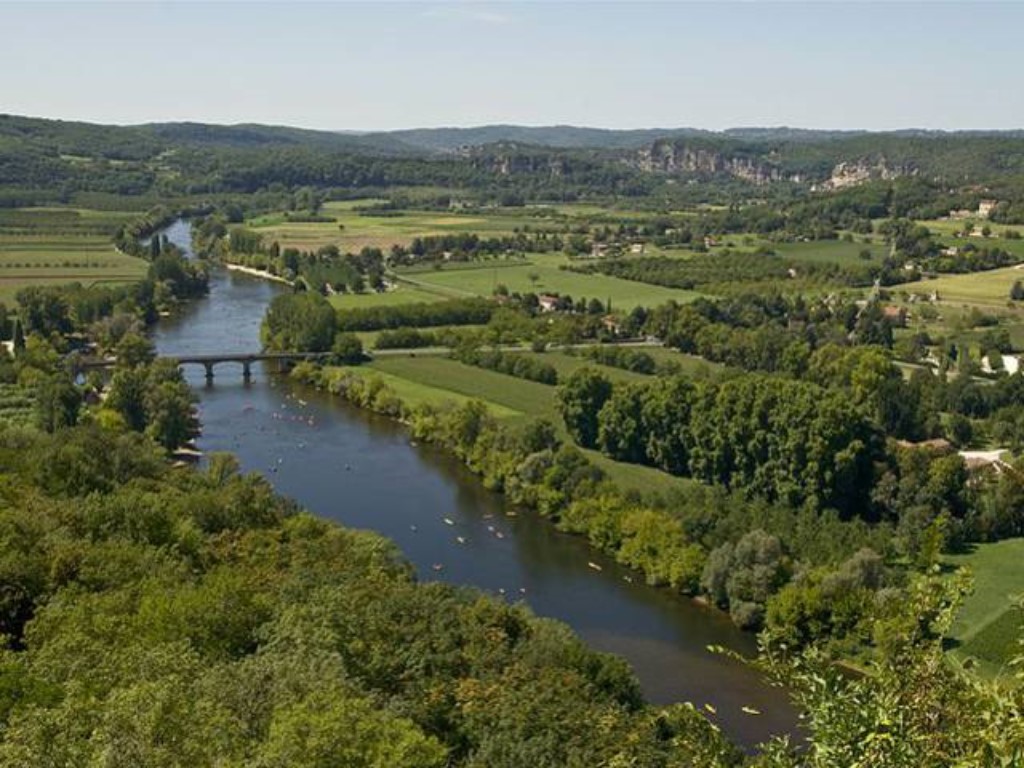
(823, 167)
(682, 158)
(853, 172)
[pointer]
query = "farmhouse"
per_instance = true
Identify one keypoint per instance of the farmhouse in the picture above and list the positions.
(985, 208)
(547, 302)
(895, 315)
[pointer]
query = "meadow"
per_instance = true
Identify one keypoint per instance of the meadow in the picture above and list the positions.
(354, 230)
(988, 627)
(989, 289)
(543, 273)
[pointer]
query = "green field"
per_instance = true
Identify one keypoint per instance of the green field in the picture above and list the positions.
(550, 278)
(48, 246)
(435, 380)
(353, 230)
(402, 294)
(989, 627)
(982, 289)
(833, 251)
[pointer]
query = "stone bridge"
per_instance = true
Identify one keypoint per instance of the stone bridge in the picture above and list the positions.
(245, 359)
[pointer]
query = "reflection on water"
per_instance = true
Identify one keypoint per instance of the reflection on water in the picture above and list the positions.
(363, 471)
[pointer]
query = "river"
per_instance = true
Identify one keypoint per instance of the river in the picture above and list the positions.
(363, 471)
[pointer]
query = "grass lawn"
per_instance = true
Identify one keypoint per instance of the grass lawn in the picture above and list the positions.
(624, 294)
(989, 290)
(988, 626)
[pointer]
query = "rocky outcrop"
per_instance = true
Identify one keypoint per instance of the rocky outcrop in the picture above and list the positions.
(682, 158)
(853, 172)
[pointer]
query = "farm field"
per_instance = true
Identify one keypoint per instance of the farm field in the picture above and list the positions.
(403, 293)
(41, 260)
(624, 294)
(567, 364)
(16, 405)
(989, 289)
(437, 379)
(353, 231)
(53, 246)
(988, 626)
(833, 251)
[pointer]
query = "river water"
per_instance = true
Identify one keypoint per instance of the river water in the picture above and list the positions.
(363, 471)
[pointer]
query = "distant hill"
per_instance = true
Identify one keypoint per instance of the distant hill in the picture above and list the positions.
(563, 136)
(46, 160)
(247, 135)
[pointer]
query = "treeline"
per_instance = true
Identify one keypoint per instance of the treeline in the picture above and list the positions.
(467, 246)
(470, 311)
(729, 272)
(776, 438)
(520, 365)
(627, 358)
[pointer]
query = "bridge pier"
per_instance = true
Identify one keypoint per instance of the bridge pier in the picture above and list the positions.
(209, 372)
(246, 371)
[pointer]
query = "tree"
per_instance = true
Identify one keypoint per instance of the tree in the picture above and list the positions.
(347, 349)
(57, 403)
(126, 396)
(1017, 291)
(170, 414)
(18, 338)
(134, 350)
(580, 400)
(299, 322)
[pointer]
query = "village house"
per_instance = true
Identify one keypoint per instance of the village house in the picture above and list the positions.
(547, 302)
(895, 315)
(985, 208)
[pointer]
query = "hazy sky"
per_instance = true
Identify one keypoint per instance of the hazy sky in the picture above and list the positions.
(397, 65)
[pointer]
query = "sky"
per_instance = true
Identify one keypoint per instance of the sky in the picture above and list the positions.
(390, 65)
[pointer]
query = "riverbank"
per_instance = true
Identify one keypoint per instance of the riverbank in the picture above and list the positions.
(260, 273)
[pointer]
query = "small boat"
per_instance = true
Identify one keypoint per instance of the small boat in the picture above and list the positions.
(449, 521)
(522, 590)
(437, 567)
(750, 710)
(711, 709)
(595, 566)
(628, 579)
(413, 443)
(511, 513)
(500, 535)
(501, 590)
(490, 528)
(413, 528)
(460, 539)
